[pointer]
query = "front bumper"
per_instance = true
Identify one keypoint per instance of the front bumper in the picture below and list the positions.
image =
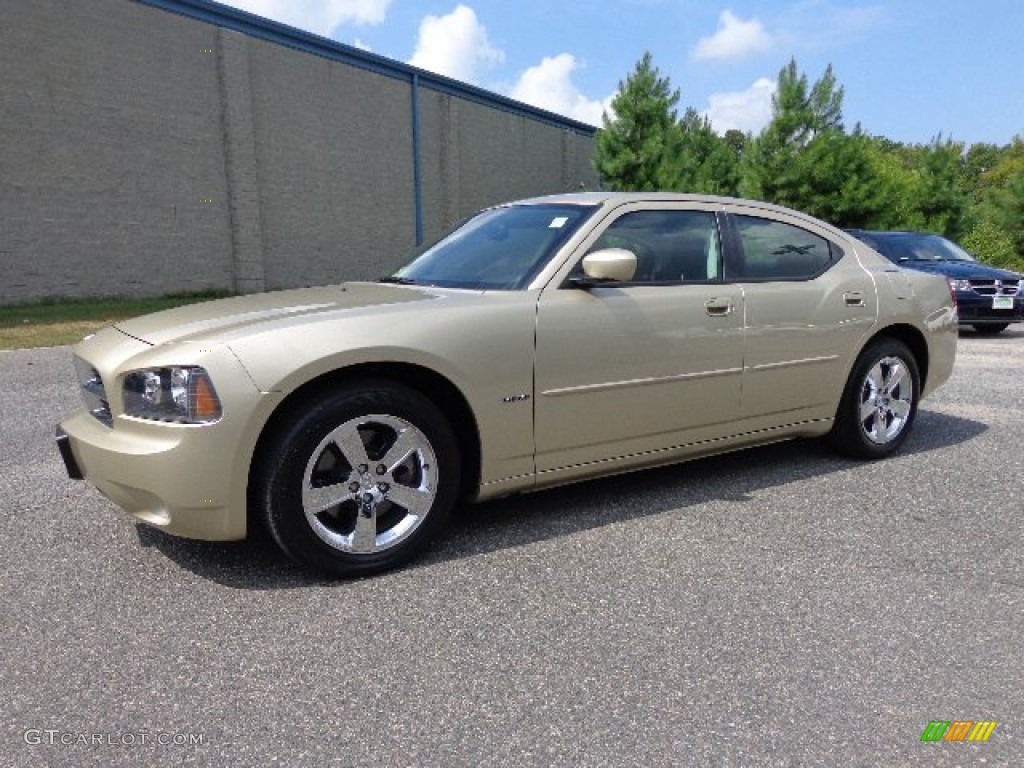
(189, 480)
(973, 308)
(180, 481)
(64, 446)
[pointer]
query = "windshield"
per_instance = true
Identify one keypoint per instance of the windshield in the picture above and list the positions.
(498, 249)
(918, 248)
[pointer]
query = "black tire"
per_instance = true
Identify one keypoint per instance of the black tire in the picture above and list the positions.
(987, 329)
(305, 465)
(872, 422)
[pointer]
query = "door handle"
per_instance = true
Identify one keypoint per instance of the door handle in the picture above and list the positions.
(854, 298)
(718, 307)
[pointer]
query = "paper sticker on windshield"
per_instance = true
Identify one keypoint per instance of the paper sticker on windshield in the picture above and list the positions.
(558, 222)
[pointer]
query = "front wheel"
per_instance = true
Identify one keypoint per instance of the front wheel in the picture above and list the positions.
(987, 329)
(880, 402)
(359, 481)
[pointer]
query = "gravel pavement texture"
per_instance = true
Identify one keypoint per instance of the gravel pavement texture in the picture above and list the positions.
(775, 607)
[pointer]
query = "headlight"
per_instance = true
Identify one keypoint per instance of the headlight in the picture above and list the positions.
(177, 395)
(963, 286)
(93, 392)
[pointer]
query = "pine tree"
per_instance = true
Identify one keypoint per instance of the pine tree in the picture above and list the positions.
(1009, 206)
(639, 143)
(840, 181)
(803, 158)
(800, 114)
(705, 163)
(940, 196)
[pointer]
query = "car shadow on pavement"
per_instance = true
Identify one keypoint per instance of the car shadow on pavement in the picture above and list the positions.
(516, 521)
(1013, 333)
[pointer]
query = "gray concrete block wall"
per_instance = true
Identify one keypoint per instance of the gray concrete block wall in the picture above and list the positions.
(523, 154)
(110, 140)
(334, 148)
(240, 162)
(144, 153)
(474, 156)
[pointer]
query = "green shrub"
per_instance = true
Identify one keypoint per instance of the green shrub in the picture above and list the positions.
(992, 244)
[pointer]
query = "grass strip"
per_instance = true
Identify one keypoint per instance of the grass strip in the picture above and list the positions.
(55, 322)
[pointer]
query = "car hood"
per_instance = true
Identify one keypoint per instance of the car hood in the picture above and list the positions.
(212, 320)
(963, 270)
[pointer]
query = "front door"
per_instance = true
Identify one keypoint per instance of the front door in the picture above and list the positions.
(646, 365)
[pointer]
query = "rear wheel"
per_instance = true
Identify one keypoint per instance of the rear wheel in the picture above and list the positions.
(360, 481)
(880, 401)
(990, 328)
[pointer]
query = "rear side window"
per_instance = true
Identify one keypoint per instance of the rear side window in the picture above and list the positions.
(773, 250)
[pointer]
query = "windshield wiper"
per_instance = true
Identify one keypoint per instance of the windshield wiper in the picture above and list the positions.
(397, 280)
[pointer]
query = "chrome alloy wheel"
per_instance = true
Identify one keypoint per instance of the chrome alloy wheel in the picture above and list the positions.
(369, 484)
(886, 400)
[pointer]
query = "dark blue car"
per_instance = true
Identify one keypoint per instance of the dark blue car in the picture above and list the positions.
(987, 297)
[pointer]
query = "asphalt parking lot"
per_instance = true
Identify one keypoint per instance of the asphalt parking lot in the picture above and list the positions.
(780, 606)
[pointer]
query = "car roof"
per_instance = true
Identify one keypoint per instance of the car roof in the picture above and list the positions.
(615, 199)
(620, 198)
(892, 233)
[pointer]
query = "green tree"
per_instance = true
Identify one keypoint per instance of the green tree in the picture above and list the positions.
(736, 141)
(991, 243)
(893, 173)
(800, 113)
(639, 144)
(839, 181)
(804, 158)
(704, 163)
(1008, 205)
(979, 160)
(999, 194)
(940, 196)
(1010, 163)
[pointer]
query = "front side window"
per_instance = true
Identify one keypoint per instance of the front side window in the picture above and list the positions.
(498, 249)
(773, 250)
(670, 246)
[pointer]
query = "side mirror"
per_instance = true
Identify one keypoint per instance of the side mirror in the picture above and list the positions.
(609, 265)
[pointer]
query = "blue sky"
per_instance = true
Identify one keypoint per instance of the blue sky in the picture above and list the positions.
(911, 69)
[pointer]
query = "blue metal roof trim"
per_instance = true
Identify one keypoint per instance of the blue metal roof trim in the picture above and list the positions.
(282, 34)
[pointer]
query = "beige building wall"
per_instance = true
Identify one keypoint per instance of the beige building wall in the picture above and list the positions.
(144, 151)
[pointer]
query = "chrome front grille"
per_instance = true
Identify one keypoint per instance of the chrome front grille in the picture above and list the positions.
(996, 287)
(93, 392)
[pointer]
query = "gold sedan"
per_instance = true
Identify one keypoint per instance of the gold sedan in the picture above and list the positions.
(542, 342)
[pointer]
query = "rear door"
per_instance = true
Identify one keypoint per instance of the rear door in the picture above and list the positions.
(808, 306)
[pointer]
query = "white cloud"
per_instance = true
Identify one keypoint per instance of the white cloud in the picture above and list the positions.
(734, 39)
(820, 25)
(455, 45)
(361, 45)
(319, 16)
(749, 110)
(549, 86)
